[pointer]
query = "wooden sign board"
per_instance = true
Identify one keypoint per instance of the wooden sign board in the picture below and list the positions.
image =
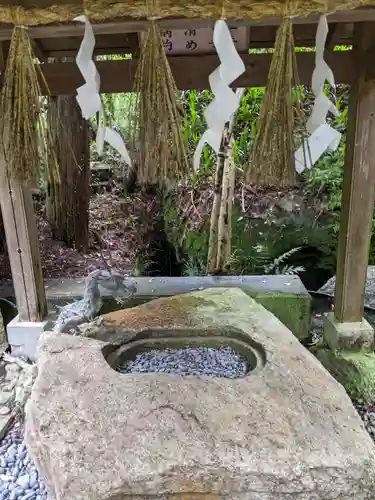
(199, 40)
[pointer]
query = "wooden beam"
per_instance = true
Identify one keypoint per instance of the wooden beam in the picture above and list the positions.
(359, 182)
(104, 44)
(23, 248)
(60, 54)
(304, 35)
(261, 37)
(134, 26)
(190, 72)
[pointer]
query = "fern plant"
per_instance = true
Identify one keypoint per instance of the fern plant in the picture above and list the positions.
(279, 265)
(142, 266)
(249, 261)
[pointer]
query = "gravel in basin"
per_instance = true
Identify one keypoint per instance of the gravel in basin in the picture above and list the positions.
(208, 361)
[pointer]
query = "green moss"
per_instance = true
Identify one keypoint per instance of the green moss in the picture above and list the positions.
(171, 219)
(354, 370)
(291, 309)
(195, 245)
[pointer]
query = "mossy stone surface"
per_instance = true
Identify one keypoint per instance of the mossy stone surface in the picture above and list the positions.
(294, 310)
(354, 370)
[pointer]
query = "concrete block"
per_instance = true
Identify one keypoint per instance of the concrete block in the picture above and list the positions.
(348, 336)
(23, 336)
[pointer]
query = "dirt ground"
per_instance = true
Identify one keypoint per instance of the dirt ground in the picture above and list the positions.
(110, 218)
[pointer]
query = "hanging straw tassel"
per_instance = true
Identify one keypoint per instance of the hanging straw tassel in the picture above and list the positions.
(23, 134)
(156, 116)
(271, 160)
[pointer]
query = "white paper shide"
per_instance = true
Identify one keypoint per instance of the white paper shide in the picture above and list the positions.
(323, 137)
(88, 95)
(225, 101)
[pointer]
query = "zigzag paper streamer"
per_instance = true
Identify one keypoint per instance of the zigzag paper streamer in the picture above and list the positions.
(88, 95)
(225, 102)
(323, 137)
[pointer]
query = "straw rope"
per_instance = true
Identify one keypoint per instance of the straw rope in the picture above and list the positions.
(23, 132)
(280, 121)
(155, 116)
(106, 10)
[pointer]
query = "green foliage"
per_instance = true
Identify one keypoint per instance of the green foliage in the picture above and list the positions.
(279, 265)
(277, 240)
(245, 125)
(264, 246)
(142, 266)
(260, 246)
(194, 267)
(244, 130)
(116, 109)
(195, 103)
(327, 178)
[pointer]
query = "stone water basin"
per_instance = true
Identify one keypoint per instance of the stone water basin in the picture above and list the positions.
(286, 430)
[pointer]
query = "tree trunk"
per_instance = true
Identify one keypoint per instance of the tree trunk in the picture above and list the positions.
(68, 196)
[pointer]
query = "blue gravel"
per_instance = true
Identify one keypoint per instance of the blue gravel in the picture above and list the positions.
(209, 361)
(19, 478)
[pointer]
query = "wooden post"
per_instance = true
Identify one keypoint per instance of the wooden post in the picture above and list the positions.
(359, 182)
(23, 248)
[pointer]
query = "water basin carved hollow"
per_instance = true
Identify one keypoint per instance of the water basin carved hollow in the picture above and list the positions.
(224, 352)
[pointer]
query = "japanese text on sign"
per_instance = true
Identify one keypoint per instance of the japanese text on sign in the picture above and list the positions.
(199, 40)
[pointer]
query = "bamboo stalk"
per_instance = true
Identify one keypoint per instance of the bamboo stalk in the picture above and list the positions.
(220, 242)
(222, 231)
(227, 251)
(215, 213)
